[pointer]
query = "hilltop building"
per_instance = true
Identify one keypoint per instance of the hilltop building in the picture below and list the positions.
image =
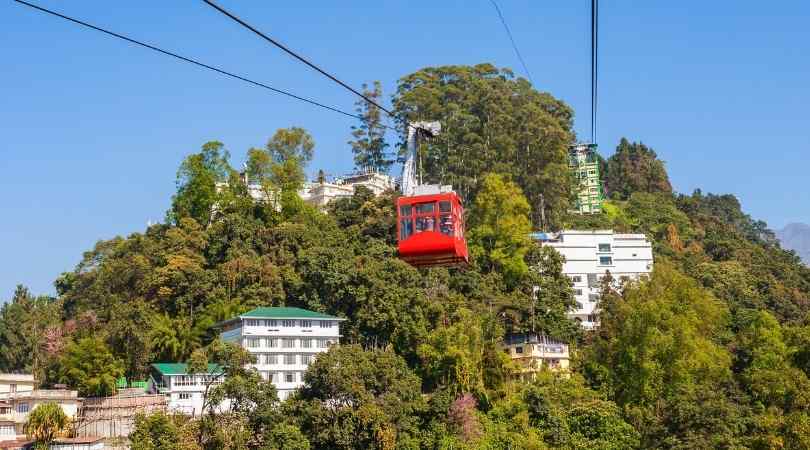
(583, 162)
(534, 353)
(320, 193)
(590, 256)
(284, 340)
(184, 391)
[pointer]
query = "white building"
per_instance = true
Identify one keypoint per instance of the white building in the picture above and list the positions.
(285, 341)
(18, 397)
(590, 255)
(184, 391)
(321, 193)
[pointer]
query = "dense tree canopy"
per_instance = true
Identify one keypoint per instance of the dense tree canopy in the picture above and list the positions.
(635, 168)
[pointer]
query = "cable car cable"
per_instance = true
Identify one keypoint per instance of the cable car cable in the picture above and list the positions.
(192, 61)
(512, 39)
(295, 55)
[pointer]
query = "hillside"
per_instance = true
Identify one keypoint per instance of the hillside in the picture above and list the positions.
(710, 352)
(796, 237)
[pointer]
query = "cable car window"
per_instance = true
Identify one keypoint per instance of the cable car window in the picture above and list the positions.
(446, 225)
(424, 208)
(444, 207)
(427, 223)
(405, 210)
(405, 228)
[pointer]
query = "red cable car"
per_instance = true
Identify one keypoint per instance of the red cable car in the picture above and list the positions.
(430, 218)
(430, 230)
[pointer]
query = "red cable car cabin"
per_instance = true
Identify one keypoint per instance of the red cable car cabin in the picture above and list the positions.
(430, 230)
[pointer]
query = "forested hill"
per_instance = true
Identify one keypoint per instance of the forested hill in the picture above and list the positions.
(712, 351)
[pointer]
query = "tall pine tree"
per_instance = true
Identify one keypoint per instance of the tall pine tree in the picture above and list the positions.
(369, 146)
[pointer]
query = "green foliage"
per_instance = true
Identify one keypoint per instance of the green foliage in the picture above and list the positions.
(635, 168)
(197, 181)
(369, 143)
(492, 122)
(25, 321)
(89, 366)
(45, 423)
(499, 228)
(161, 431)
(355, 398)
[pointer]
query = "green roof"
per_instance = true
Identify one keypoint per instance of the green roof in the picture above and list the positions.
(182, 368)
(286, 313)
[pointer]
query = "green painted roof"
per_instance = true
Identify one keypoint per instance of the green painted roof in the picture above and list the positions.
(286, 313)
(181, 368)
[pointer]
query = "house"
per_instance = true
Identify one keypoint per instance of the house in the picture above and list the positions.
(184, 391)
(533, 353)
(19, 398)
(114, 416)
(284, 341)
(590, 256)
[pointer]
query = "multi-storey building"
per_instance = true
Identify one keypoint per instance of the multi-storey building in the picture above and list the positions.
(590, 256)
(18, 397)
(535, 352)
(285, 341)
(184, 391)
(583, 162)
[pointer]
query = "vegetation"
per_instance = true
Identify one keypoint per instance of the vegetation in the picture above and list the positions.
(45, 423)
(709, 352)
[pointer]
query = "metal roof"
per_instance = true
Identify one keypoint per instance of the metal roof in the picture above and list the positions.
(182, 368)
(286, 313)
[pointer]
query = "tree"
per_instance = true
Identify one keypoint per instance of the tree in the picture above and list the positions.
(499, 228)
(290, 149)
(369, 143)
(197, 181)
(492, 122)
(635, 168)
(162, 431)
(355, 398)
(45, 423)
(89, 366)
(24, 322)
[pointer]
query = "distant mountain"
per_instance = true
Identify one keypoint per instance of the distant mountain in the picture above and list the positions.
(796, 236)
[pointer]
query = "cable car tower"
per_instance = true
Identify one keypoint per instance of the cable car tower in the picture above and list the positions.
(430, 217)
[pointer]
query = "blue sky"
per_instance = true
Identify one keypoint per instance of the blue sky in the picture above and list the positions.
(93, 129)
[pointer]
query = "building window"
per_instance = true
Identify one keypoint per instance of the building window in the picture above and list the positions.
(289, 377)
(12, 388)
(518, 349)
(272, 342)
(593, 298)
(270, 358)
(289, 359)
(22, 408)
(253, 342)
(577, 292)
(306, 324)
(323, 343)
(604, 248)
(272, 323)
(184, 396)
(184, 380)
(287, 323)
(576, 279)
(306, 360)
(326, 324)
(288, 343)
(7, 430)
(306, 343)
(605, 261)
